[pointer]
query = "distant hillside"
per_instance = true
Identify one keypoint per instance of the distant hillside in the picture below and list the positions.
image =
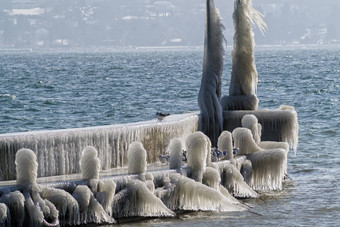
(130, 23)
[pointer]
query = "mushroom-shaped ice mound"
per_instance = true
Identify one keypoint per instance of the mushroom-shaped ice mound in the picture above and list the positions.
(243, 140)
(196, 145)
(224, 142)
(137, 200)
(136, 156)
(249, 121)
(89, 163)
(26, 167)
(176, 149)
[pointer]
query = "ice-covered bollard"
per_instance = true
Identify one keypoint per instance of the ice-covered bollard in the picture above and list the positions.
(136, 156)
(196, 144)
(26, 167)
(249, 121)
(90, 163)
(175, 148)
(225, 144)
(243, 139)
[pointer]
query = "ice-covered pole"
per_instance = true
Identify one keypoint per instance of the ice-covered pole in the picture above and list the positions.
(243, 83)
(209, 95)
(244, 74)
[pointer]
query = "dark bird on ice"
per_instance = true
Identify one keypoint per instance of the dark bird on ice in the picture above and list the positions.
(161, 116)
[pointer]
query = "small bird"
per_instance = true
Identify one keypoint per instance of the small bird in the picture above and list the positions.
(161, 116)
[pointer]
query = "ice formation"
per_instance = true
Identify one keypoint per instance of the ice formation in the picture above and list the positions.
(212, 178)
(196, 145)
(268, 166)
(136, 200)
(277, 125)
(234, 182)
(244, 75)
(241, 102)
(249, 121)
(57, 151)
(5, 217)
(67, 205)
(89, 163)
(243, 140)
(225, 142)
(136, 158)
(259, 165)
(90, 209)
(26, 167)
(211, 122)
(187, 194)
(175, 148)
(246, 170)
(105, 194)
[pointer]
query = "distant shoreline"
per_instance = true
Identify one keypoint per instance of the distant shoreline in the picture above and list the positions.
(155, 48)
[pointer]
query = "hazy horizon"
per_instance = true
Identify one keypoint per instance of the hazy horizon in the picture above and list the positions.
(66, 24)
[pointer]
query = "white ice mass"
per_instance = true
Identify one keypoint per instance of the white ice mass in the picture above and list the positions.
(231, 150)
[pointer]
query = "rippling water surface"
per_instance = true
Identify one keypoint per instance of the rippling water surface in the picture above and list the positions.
(68, 90)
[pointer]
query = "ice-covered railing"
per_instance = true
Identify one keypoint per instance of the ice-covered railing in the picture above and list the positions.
(58, 151)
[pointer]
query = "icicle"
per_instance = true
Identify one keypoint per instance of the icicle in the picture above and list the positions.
(208, 160)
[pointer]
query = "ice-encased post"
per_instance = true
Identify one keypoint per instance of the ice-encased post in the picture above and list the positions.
(244, 78)
(209, 95)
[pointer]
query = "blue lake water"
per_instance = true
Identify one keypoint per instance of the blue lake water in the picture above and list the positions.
(69, 90)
